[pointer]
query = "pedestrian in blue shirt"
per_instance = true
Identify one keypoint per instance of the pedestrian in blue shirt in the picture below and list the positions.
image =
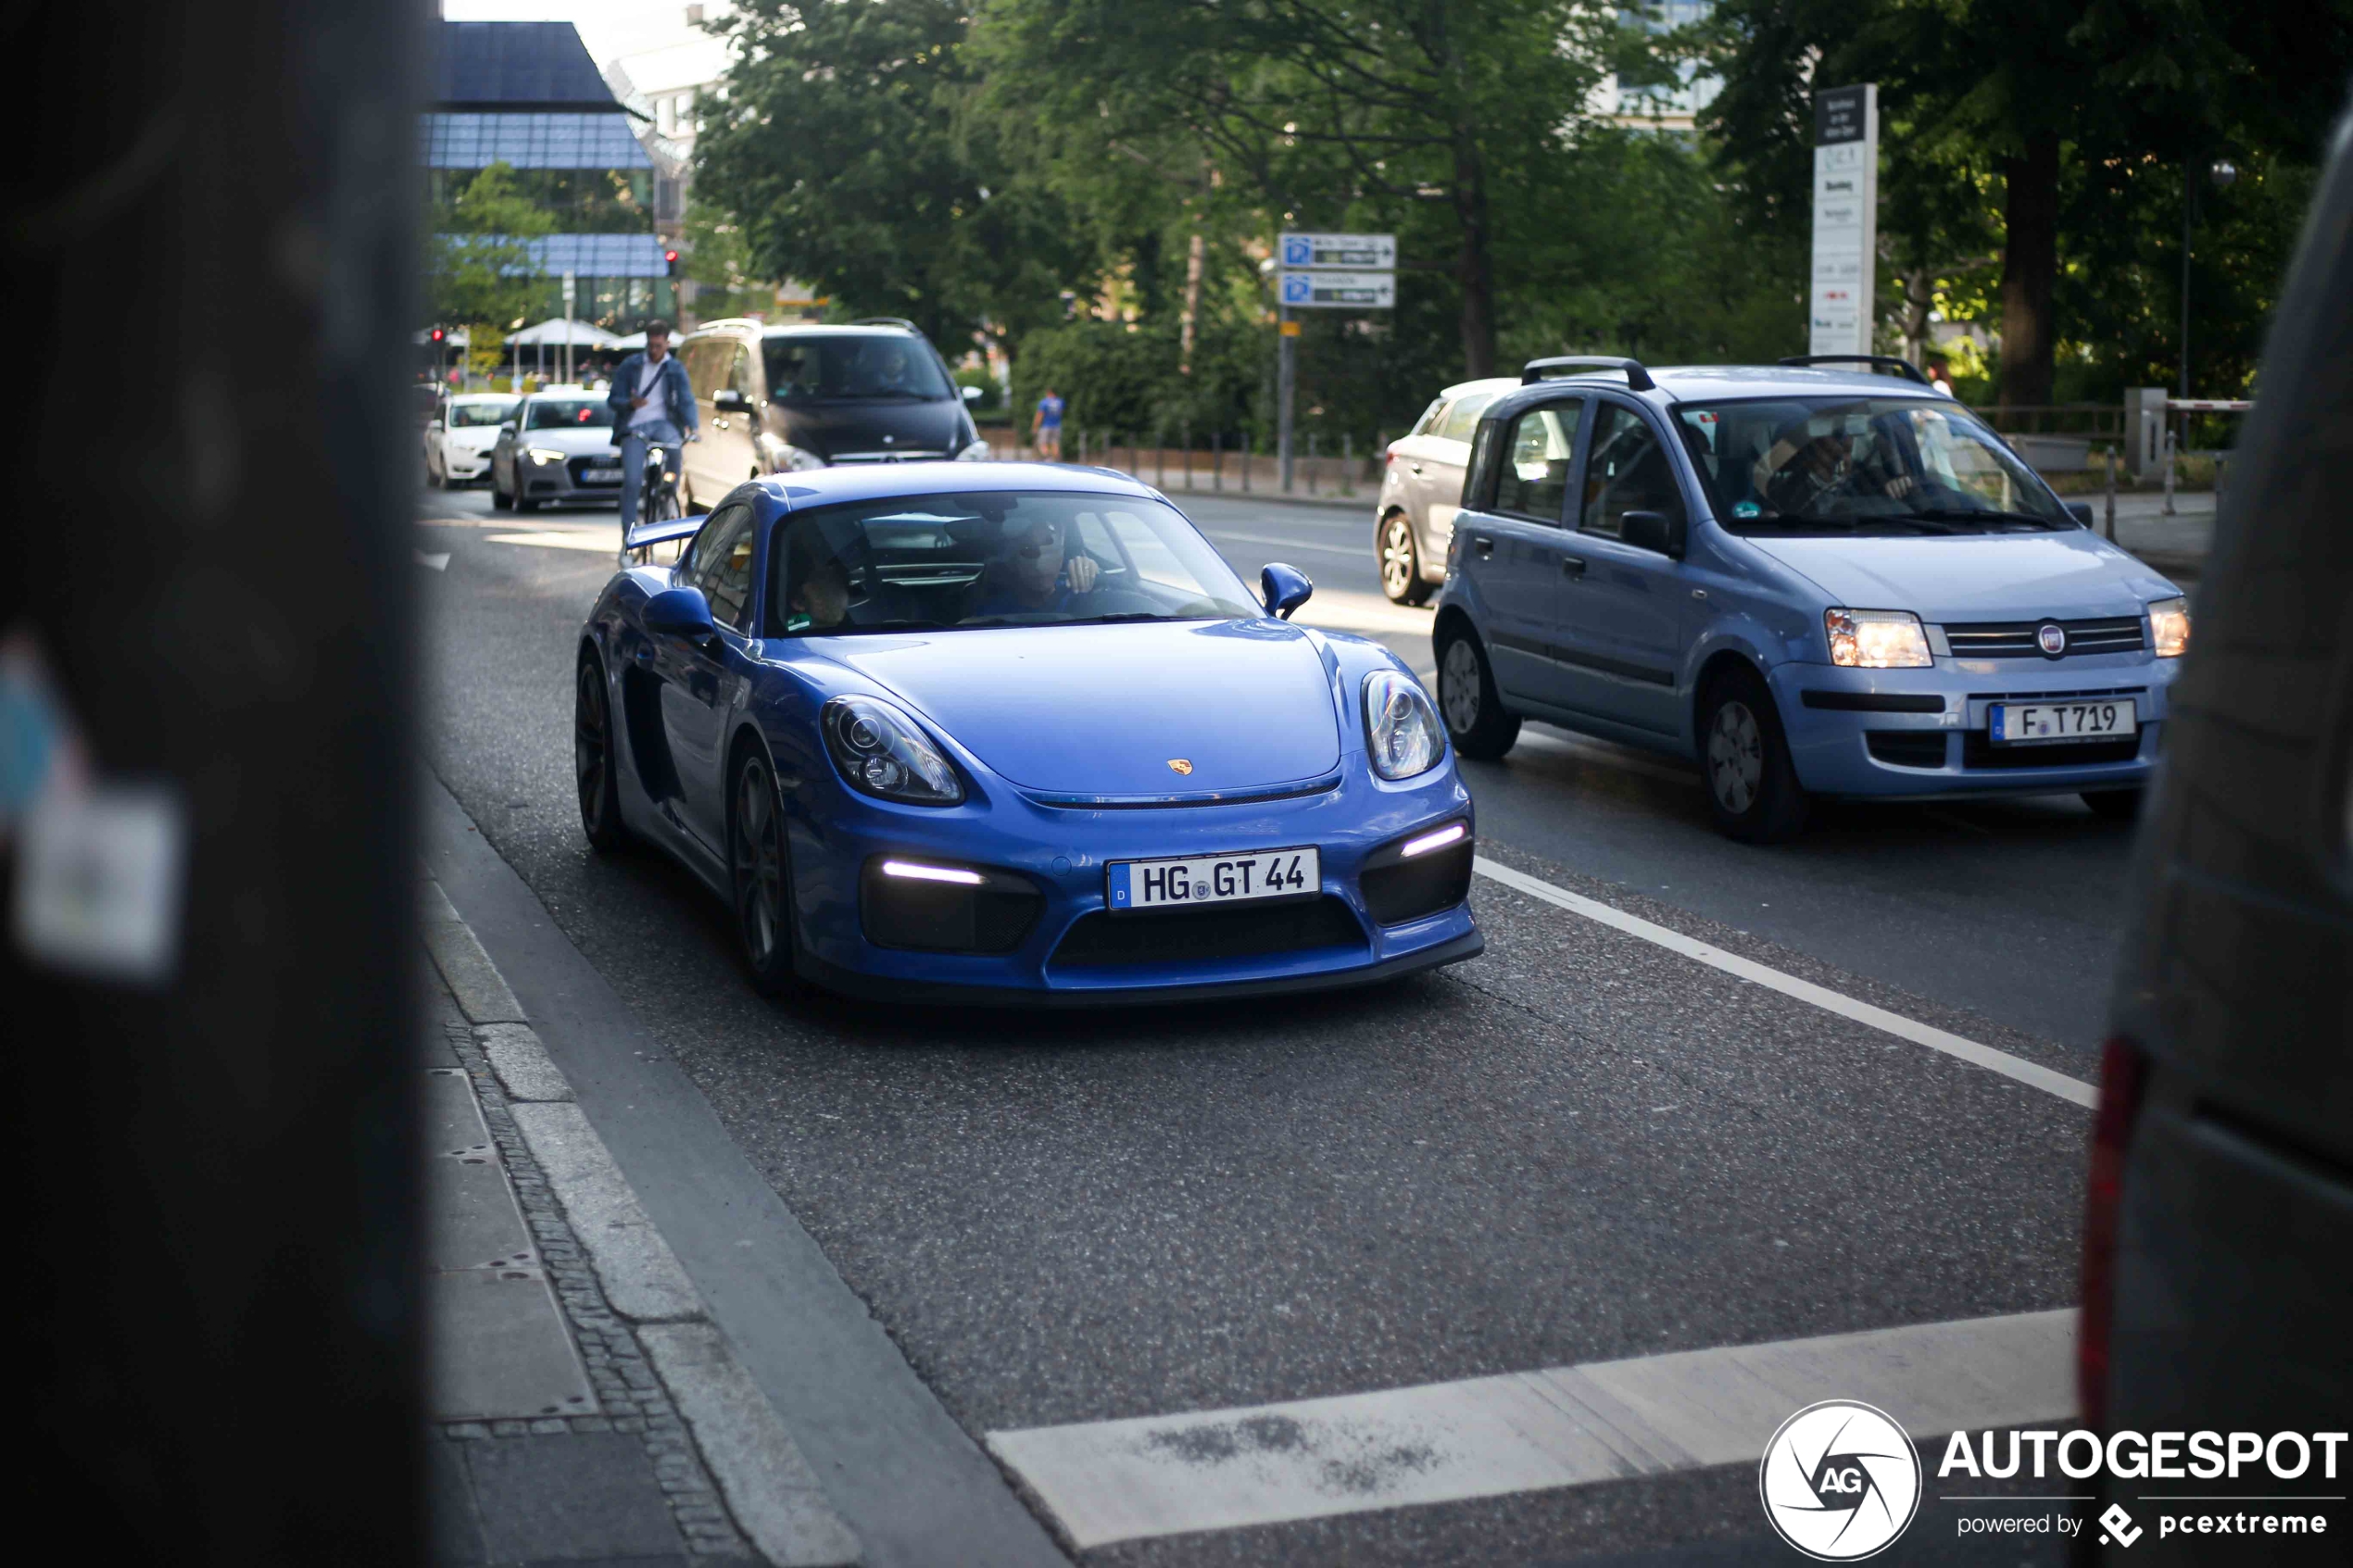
(1045, 427)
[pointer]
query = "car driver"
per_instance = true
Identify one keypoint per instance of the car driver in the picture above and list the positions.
(1031, 574)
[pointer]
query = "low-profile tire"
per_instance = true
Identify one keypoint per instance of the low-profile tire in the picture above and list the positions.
(499, 500)
(2116, 805)
(759, 874)
(523, 503)
(1476, 719)
(1400, 561)
(595, 761)
(1752, 785)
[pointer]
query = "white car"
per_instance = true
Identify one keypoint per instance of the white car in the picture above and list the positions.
(460, 434)
(1422, 489)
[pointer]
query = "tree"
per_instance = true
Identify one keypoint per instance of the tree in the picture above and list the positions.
(838, 148)
(480, 269)
(1329, 112)
(2013, 94)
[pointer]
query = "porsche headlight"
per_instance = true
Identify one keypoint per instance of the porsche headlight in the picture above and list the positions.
(1401, 728)
(883, 753)
(546, 455)
(798, 459)
(1877, 639)
(2170, 628)
(974, 452)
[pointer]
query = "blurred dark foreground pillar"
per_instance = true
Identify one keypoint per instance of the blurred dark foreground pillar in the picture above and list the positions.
(210, 253)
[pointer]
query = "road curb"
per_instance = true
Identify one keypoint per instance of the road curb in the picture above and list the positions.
(768, 1485)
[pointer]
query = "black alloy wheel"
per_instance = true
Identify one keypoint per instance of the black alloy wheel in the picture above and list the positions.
(761, 877)
(1751, 786)
(1400, 561)
(1477, 721)
(2115, 805)
(595, 761)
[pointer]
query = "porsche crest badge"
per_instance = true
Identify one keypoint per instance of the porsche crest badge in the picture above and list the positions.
(1181, 764)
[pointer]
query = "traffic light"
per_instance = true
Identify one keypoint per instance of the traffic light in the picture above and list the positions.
(670, 262)
(438, 334)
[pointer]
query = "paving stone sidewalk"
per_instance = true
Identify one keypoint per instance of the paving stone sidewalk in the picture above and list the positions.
(559, 1437)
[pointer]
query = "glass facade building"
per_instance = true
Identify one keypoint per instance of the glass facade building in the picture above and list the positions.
(527, 96)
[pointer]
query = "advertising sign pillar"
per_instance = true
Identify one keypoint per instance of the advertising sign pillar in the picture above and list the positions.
(1845, 220)
(1286, 388)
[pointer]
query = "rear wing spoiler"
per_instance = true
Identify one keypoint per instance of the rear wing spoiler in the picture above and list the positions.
(644, 533)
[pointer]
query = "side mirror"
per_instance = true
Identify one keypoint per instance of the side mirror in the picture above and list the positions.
(1651, 531)
(679, 612)
(973, 394)
(509, 428)
(2080, 511)
(1285, 588)
(727, 400)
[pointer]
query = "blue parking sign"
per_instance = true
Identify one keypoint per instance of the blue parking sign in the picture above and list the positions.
(1298, 251)
(1298, 288)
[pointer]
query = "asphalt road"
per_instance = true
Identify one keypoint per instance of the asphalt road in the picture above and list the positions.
(1580, 1146)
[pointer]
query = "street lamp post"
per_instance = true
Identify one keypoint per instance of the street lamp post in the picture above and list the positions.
(2222, 172)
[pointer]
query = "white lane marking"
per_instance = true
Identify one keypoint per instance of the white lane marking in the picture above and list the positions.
(1563, 1427)
(1993, 1061)
(602, 542)
(433, 561)
(1362, 552)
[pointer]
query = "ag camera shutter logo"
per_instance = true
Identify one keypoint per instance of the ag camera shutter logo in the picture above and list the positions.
(1839, 1481)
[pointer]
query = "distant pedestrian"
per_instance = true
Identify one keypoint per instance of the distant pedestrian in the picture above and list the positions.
(1045, 427)
(652, 406)
(1940, 374)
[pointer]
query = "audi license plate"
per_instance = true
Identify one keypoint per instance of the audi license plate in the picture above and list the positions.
(600, 476)
(1130, 886)
(2023, 723)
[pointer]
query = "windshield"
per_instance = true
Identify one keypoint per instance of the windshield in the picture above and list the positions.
(568, 413)
(498, 411)
(995, 558)
(840, 365)
(1862, 465)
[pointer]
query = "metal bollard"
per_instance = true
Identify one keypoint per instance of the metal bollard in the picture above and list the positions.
(2170, 447)
(1311, 462)
(1217, 459)
(1082, 445)
(2110, 518)
(1246, 444)
(1347, 464)
(1187, 429)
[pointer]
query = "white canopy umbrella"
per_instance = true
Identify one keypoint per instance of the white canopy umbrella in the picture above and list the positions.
(555, 330)
(634, 340)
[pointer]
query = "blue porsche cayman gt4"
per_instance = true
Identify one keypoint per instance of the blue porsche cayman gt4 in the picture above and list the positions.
(1012, 733)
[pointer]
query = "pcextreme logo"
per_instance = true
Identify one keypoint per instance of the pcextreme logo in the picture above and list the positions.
(1839, 1481)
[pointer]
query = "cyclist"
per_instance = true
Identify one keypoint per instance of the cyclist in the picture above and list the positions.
(652, 406)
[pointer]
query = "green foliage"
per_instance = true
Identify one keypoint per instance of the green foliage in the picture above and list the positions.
(992, 396)
(837, 150)
(2049, 139)
(477, 269)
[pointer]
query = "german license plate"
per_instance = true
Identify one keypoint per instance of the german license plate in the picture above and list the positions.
(2035, 723)
(600, 476)
(1131, 885)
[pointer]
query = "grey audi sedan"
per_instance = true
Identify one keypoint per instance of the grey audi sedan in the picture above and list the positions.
(558, 448)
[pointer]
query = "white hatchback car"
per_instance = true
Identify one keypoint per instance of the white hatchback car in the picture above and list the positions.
(1422, 489)
(460, 434)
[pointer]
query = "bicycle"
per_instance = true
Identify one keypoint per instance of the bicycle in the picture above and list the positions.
(658, 496)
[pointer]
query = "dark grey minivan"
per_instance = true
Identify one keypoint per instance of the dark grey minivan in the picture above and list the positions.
(2218, 1282)
(775, 399)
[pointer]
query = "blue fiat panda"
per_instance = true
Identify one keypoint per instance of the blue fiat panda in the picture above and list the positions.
(1813, 581)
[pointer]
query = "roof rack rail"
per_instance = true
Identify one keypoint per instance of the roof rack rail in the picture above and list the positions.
(1638, 379)
(1904, 368)
(729, 321)
(888, 321)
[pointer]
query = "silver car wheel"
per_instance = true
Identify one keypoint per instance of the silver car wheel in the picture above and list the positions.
(1458, 687)
(1735, 757)
(1398, 567)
